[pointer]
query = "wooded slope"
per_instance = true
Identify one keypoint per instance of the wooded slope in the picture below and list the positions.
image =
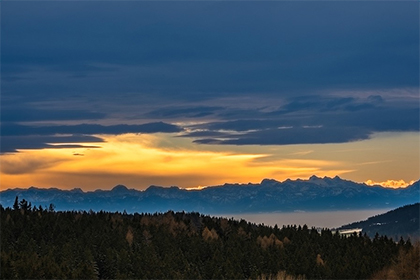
(39, 243)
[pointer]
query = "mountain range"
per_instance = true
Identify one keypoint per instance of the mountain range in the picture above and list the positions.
(314, 194)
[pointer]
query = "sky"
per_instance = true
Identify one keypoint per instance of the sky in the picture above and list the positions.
(199, 93)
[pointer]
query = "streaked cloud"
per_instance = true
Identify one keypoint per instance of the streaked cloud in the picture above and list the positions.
(16, 136)
(12, 144)
(28, 164)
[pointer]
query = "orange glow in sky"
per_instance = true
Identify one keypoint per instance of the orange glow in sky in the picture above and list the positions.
(139, 161)
(390, 183)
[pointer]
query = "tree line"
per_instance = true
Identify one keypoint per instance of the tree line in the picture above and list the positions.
(41, 243)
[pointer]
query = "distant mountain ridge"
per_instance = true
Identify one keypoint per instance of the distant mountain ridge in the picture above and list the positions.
(268, 196)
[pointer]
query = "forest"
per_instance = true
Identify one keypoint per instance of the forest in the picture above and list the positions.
(41, 243)
(403, 221)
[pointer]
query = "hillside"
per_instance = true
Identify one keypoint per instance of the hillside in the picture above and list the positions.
(403, 221)
(39, 243)
(268, 196)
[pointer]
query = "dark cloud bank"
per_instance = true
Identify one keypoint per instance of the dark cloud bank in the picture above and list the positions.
(312, 121)
(212, 63)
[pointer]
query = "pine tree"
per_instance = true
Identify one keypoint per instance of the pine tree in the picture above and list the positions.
(16, 204)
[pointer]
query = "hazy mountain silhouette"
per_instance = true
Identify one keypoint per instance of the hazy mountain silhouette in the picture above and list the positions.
(268, 196)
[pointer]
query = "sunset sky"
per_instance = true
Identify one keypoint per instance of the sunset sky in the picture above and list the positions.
(95, 94)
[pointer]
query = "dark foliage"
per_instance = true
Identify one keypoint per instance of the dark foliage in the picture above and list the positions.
(42, 243)
(407, 266)
(401, 222)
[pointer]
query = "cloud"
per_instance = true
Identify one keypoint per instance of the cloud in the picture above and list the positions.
(245, 125)
(375, 99)
(27, 114)
(385, 119)
(88, 129)
(245, 71)
(10, 144)
(183, 112)
(27, 164)
(394, 184)
(311, 120)
(204, 133)
(202, 50)
(290, 136)
(16, 136)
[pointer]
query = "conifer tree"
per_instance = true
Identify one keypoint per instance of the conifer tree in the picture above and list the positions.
(16, 204)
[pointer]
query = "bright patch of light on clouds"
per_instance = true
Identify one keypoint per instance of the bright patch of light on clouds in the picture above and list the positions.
(394, 184)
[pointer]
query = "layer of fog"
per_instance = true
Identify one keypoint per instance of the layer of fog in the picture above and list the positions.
(323, 219)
